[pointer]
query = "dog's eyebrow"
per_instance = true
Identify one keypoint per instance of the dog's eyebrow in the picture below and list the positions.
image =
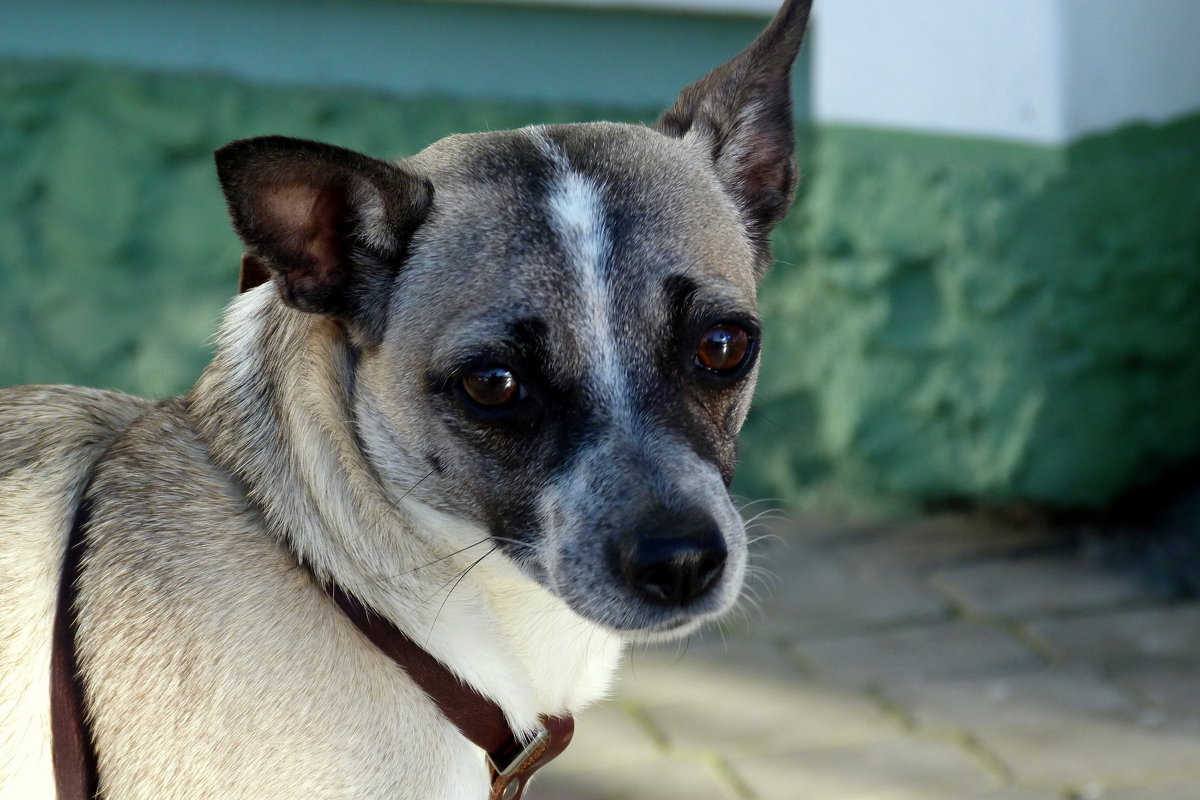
(687, 299)
(518, 342)
(680, 292)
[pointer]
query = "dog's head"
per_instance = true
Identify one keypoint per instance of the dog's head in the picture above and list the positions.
(556, 327)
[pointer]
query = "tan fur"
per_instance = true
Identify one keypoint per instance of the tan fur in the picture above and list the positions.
(193, 610)
(330, 442)
(49, 439)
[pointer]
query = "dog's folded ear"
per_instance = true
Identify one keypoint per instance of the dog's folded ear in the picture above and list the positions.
(742, 111)
(330, 224)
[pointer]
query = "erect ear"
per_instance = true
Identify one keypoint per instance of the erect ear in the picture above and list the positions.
(742, 112)
(330, 225)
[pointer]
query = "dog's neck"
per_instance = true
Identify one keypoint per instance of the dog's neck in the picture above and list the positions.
(278, 410)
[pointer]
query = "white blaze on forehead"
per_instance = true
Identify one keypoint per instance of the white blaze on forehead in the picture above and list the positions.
(576, 214)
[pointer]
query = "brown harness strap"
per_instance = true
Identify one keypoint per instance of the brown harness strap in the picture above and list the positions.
(512, 764)
(72, 751)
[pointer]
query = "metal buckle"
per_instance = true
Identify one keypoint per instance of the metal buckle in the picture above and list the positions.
(511, 778)
(539, 739)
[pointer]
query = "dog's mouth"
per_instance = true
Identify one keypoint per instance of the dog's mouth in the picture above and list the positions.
(658, 591)
(648, 568)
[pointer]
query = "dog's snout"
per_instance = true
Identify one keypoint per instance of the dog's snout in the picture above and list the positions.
(674, 568)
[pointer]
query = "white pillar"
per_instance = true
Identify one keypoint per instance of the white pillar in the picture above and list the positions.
(1042, 71)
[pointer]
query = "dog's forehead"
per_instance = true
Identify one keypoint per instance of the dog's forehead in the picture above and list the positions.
(652, 202)
(573, 237)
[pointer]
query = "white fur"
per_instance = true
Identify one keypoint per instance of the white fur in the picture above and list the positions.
(30, 563)
(576, 206)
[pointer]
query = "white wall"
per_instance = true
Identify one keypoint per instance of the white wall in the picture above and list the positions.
(1130, 60)
(1045, 71)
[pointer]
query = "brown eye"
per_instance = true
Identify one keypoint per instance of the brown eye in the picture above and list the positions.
(492, 387)
(723, 348)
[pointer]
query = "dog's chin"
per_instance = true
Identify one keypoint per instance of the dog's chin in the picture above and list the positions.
(668, 633)
(636, 620)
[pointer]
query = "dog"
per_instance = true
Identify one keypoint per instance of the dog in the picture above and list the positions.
(490, 394)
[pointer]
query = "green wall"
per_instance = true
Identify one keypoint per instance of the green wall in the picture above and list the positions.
(984, 321)
(949, 319)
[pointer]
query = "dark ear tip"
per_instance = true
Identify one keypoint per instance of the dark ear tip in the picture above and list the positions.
(236, 150)
(230, 158)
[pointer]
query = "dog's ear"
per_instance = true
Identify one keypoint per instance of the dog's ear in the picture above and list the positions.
(742, 112)
(253, 273)
(330, 225)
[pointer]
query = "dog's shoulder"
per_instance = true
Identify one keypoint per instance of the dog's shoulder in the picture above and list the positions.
(44, 427)
(159, 477)
(51, 438)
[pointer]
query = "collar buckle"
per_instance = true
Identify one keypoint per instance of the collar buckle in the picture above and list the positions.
(509, 782)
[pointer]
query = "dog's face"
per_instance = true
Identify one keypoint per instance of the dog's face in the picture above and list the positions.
(556, 327)
(579, 319)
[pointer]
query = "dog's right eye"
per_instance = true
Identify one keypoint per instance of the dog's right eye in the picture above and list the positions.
(493, 387)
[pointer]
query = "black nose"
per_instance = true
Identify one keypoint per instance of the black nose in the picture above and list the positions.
(674, 568)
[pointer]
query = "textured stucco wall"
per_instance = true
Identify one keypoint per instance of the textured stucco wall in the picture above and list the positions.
(976, 320)
(949, 319)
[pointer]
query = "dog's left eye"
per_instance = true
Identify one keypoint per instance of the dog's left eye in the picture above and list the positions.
(723, 348)
(493, 387)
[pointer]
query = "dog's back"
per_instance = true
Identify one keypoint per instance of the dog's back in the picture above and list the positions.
(50, 439)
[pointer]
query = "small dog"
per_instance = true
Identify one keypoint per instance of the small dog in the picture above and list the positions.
(490, 392)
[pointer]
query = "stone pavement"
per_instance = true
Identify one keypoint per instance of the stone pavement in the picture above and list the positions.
(948, 658)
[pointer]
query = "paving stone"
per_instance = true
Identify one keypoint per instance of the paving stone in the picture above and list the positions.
(1056, 728)
(1041, 586)
(1172, 691)
(674, 674)
(606, 735)
(813, 594)
(920, 655)
(1173, 791)
(1126, 638)
(902, 769)
(665, 779)
(942, 540)
(767, 716)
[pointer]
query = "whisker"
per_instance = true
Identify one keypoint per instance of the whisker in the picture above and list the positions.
(459, 580)
(764, 537)
(517, 542)
(412, 488)
(681, 649)
(437, 560)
